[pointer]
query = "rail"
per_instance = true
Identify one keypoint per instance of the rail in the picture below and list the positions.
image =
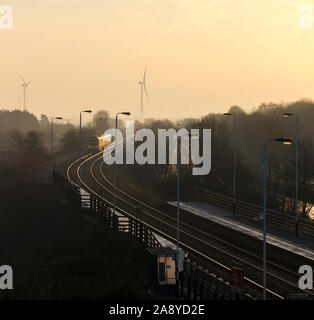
(195, 281)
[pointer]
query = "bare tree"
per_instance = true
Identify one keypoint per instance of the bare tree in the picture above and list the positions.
(306, 172)
(33, 145)
(17, 142)
(101, 121)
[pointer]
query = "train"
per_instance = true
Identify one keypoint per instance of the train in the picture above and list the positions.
(98, 143)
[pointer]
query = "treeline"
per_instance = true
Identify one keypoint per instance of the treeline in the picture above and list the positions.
(23, 133)
(22, 122)
(253, 129)
(25, 141)
(29, 138)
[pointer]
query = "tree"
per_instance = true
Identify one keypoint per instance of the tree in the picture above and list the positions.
(29, 146)
(70, 140)
(17, 142)
(44, 122)
(236, 110)
(16, 119)
(306, 173)
(101, 121)
(33, 145)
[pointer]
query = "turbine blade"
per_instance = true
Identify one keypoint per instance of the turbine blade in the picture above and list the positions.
(28, 83)
(146, 92)
(144, 74)
(22, 78)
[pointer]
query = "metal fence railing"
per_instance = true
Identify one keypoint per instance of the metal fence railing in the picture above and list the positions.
(196, 283)
(275, 219)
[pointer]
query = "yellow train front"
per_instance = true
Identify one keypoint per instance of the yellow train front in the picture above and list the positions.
(98, 143)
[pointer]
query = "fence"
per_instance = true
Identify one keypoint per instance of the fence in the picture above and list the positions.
(195, 282)
(275, 219)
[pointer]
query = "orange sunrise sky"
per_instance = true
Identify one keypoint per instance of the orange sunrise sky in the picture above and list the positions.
(202, 56)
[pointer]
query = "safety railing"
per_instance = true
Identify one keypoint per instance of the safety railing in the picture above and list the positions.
(280, 220)
(196, 283)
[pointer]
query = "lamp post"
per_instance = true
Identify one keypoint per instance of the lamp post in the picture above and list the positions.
(178, 206)
(86, 111)
(51, 147)
(115, 164)
(234, 157)
(286, 141)
(287, 115)
(178, 200)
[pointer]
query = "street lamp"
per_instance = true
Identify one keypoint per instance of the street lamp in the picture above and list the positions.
(287, 115)
(234, 156)
(115, 162)
(285, 141)
(51, 147)
(178, 199)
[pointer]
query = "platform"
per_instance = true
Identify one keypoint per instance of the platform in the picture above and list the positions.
(302, 247)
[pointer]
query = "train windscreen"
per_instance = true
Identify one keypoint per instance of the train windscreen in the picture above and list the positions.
(93, 141)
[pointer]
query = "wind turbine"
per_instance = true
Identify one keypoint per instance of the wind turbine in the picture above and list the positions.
(143, 88)
(25, 85)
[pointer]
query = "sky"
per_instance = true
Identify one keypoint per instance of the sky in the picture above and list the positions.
(202, 56)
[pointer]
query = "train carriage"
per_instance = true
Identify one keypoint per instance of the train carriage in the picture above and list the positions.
(98, 143)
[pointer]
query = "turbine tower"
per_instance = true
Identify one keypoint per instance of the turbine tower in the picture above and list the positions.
(24, 85)
(143, 88)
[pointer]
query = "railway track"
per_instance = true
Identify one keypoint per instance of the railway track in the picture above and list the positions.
(281, 280)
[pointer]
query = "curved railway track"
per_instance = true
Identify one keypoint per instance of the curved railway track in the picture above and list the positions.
(89, 172)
